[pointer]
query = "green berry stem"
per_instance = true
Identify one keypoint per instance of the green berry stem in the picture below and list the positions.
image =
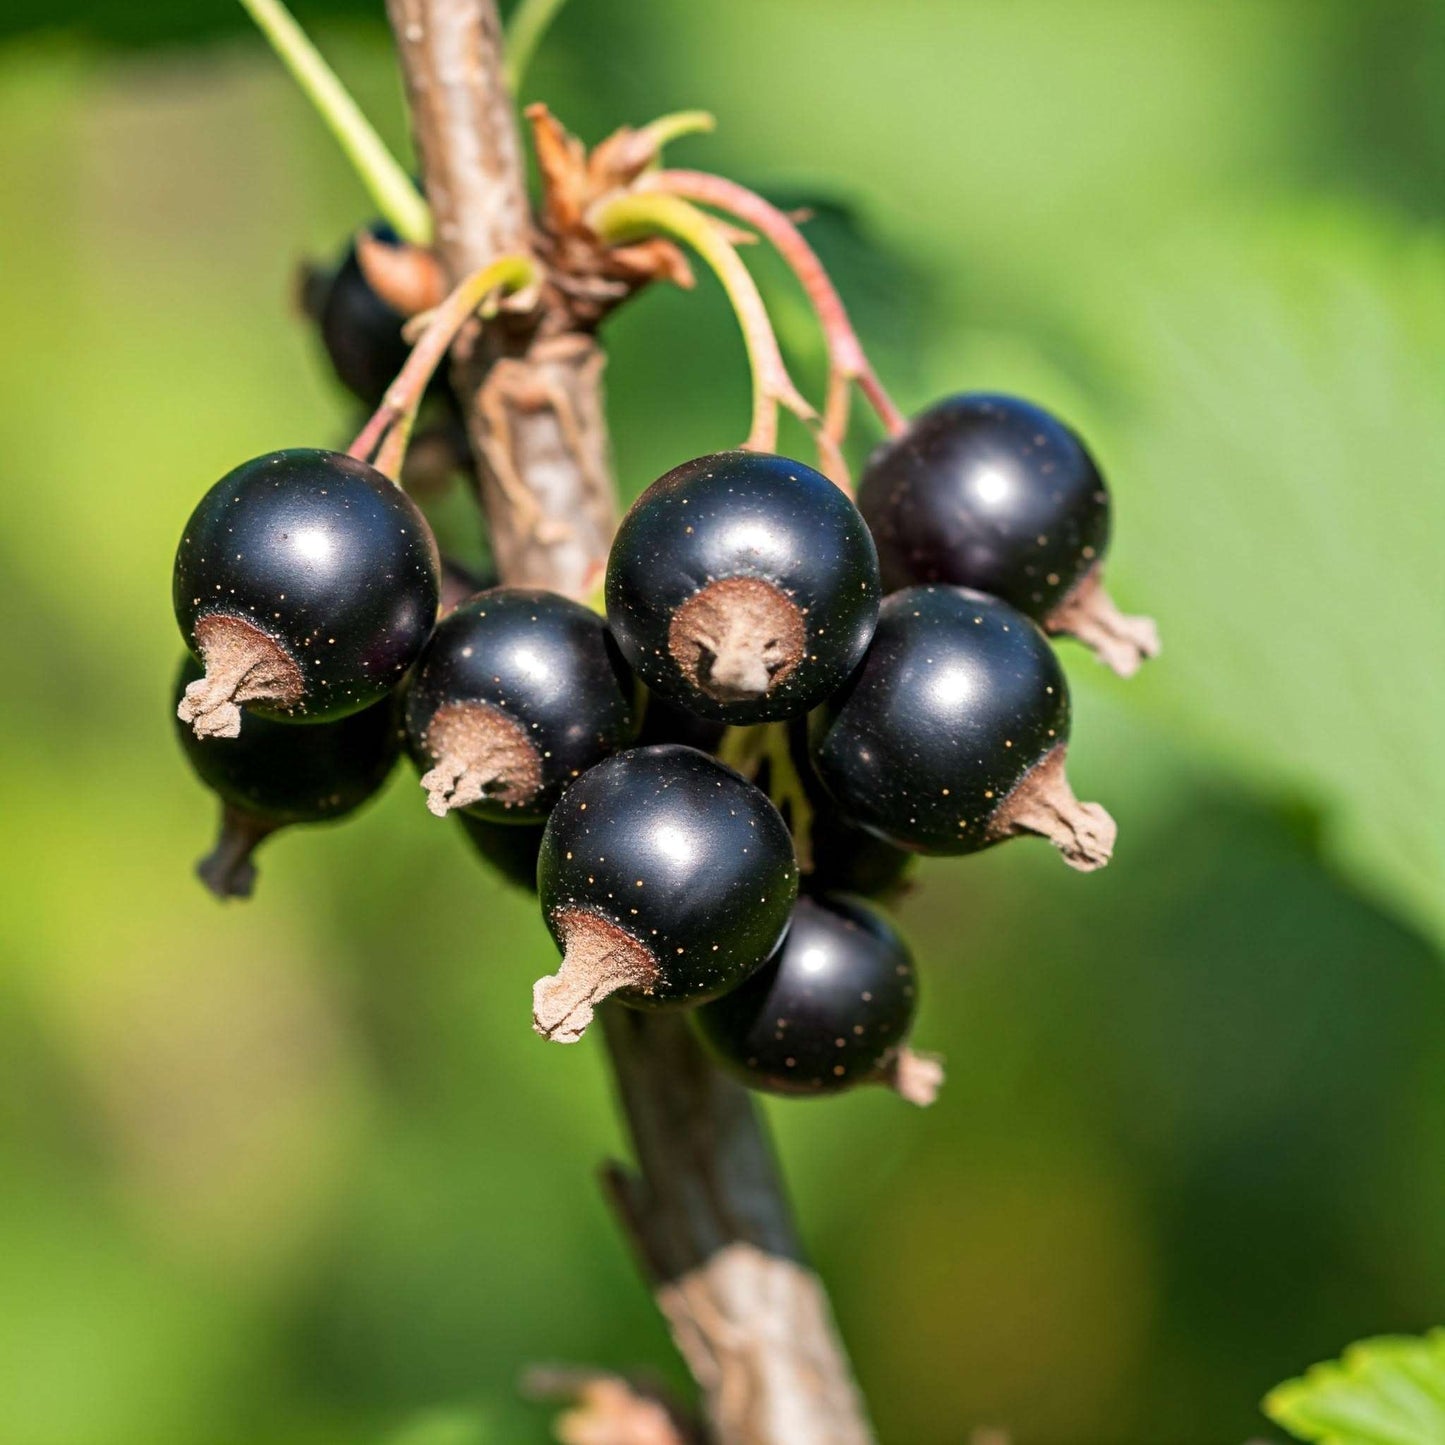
(675, 125)
(745, 750)
(847, 361)
(526, 26)
(383, 176)
(632, 216)
(390, 425)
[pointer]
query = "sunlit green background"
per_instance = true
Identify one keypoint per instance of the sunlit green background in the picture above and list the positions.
(297, 1171)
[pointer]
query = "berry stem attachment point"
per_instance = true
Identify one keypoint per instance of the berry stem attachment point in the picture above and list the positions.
(847, 361)
(380, 172)
(388, 431)
(632, 216)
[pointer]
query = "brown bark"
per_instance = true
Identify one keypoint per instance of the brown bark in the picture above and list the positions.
(707, 1212)
(531, 388)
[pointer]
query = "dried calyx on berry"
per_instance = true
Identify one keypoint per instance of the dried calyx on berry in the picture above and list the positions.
(830, 1010)
(997, 494)
(665, 879)
(307, 584)
(518, 693)
(743, 586)
(952, 735)
(277, 774)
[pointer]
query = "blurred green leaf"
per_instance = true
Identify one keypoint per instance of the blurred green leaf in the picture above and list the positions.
(1282, 396)
(1386, 1391)
(459, 1426)
(158, 22)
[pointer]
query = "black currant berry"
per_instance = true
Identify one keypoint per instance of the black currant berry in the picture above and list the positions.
(831, 1009)
(509, 849)
(362, 333)
(841, 858)
(743, 586)
(665, 879)
(952, 734)
(517, 693)
(994, 493)
(276, 774)
(845, 859)
(307, 583)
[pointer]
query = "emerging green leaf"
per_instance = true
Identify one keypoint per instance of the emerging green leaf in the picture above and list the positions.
(1386, 1391)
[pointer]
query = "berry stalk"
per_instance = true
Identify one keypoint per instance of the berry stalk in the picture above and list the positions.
(526, 26)
(633, 217)
(390, 425)
(847, 361)
(380, 172)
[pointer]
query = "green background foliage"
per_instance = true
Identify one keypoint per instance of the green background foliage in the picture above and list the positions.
(297, 1171)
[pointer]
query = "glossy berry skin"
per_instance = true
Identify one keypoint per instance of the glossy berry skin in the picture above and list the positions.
(508, 849)
(322, 556)
(549, 667)
(828, 1011)
(273, 775)
(282, 774)
(803, 573)
(845, 859)
(362, 333)
(682, 855)
(958, 698)
(842, 858)
(988, 492)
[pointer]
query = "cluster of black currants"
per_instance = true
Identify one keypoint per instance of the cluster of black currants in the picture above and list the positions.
(897, 648)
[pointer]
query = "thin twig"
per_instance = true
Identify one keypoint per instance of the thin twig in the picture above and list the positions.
(380, 172)
(631, 216)
(526, 26)
(389, 426)
(847, 361)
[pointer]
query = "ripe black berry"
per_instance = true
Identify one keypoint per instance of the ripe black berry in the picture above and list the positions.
(276, 774)
(362, 333)
(993, 493)
(841, 858)
(307, 584)
(510, 849)
(665, 878)
(846, 859)
(518, 692)
(743, 586)
(831, 1009)
(952, 734)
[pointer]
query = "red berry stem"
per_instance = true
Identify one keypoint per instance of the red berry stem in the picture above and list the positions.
(634, 215)
(387, 432)
(847, 361)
